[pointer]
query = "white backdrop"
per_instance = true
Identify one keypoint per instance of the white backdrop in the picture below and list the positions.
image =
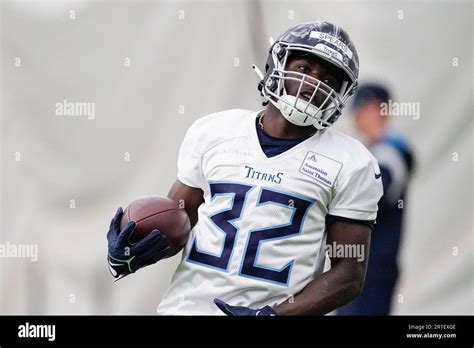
(151, 68)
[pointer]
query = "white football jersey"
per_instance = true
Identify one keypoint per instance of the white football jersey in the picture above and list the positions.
(261, 233)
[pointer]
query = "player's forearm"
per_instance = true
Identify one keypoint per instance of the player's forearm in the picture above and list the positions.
(325, 293)
(189, 198)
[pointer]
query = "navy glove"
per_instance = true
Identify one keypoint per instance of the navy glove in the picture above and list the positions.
(241, 311)
(125, 258)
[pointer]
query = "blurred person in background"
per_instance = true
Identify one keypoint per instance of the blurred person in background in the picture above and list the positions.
(396, 166)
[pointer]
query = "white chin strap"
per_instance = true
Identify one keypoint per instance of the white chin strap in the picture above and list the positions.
(298, 111)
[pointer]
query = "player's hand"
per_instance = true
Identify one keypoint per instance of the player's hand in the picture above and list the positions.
(125, 258)
(241, 311)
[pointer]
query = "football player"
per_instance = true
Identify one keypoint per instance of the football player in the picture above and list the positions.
(267, 190)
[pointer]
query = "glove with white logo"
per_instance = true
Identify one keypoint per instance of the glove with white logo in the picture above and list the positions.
(125, 258)
(242, 311)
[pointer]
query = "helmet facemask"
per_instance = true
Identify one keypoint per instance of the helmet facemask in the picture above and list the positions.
(298, 109)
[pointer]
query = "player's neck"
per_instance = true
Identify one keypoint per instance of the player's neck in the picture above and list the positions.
(275, 125)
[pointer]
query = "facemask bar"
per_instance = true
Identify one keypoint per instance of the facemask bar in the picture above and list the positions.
(315, 91)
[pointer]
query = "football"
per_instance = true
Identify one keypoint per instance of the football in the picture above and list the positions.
(161, 213)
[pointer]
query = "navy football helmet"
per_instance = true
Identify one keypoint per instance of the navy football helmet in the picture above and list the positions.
(326, 41)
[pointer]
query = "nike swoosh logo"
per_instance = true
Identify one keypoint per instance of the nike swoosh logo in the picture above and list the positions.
(378, 175)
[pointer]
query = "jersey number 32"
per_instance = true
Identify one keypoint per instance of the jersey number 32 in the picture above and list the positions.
(223, 220)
